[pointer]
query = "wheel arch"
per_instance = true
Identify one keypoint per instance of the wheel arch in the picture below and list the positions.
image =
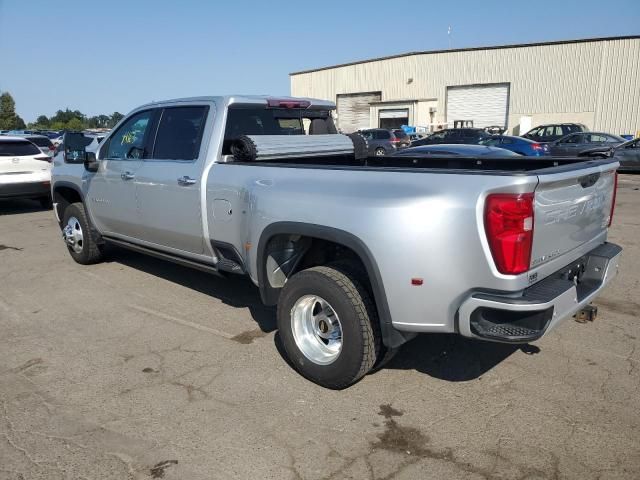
(64, 194)
(391, 337)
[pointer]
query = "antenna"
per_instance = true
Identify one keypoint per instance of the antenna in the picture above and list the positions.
(449, 36)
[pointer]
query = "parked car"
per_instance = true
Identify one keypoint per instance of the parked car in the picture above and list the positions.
(413, 136)
(20, 132)
(574, 143)
(381, 141)
(464, 150)
(495, 130)
(628, 154)
(522, 146)
(468, 136)
(359, 256)
(553, 132)
(25, 172)
(45, 144)
(403, 139)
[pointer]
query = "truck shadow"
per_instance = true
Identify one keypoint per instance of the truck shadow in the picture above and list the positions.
(452, 357)
(444, 356)
(235, 290)
(18, 206)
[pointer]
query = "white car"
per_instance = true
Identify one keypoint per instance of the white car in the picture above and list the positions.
(25, 172)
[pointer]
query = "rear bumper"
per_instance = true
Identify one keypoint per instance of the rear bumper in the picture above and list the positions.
(25, 190)
(520, 317)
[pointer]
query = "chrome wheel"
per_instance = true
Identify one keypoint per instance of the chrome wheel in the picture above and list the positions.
(380, 152)
(72, 234)
(316, 329)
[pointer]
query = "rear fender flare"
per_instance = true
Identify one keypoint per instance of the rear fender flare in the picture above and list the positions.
(391, 337)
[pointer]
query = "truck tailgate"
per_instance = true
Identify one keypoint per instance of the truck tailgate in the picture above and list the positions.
(571, 209)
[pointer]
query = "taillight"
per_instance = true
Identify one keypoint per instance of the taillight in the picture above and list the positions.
(508, 222)
(613, 199)
(395, 140)
(537, 147)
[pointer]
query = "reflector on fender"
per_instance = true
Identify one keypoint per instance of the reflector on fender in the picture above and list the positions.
(508, 222)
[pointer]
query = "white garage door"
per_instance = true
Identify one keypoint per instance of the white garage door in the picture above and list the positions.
(353, 110)
(486, 105)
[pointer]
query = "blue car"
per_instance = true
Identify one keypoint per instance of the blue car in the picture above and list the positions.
(520, 145)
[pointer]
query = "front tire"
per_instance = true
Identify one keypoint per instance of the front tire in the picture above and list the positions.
(328, 326)
(79, 237)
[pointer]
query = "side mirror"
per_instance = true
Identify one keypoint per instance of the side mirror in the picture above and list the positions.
(91, 163)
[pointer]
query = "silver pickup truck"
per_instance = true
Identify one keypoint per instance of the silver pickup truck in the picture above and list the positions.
(358, 254)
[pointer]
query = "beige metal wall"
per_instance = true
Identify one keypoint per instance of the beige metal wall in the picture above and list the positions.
(596, 83)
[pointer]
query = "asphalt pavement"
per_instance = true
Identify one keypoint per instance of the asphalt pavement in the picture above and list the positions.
(136, 369)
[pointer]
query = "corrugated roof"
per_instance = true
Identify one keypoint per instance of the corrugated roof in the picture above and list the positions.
(471, 49)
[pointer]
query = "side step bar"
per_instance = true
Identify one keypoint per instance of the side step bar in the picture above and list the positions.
(186, 262)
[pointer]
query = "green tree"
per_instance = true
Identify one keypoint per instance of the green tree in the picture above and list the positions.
(115, 118)
(75, 124)
(42, 120)
(9, 120)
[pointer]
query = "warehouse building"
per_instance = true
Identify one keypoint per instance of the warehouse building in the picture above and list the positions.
(595, 82)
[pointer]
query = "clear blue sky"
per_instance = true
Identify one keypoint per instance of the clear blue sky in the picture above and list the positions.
(112, 55)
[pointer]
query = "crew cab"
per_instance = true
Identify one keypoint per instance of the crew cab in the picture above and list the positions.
(359, 253)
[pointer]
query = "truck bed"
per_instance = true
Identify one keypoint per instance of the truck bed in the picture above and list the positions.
(443, 164)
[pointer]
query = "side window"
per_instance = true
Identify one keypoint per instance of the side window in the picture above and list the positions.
(129, 140)
(507, 141)
(596, 138)
(382, 135)
(367, 134)
(180, 133)
(437, 136)
(574, 139)
(535, 132)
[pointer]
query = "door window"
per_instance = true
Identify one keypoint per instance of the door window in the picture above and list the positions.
(128, 142)
(574, 139)
(382, 135)
(180, 133)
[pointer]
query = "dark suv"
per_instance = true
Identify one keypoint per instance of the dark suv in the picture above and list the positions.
(554, 131)
(469, 136)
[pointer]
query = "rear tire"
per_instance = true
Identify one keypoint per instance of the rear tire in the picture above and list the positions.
(78, 234)
(380, 152)
(328, 326)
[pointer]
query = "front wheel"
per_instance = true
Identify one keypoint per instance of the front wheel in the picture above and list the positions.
(328, 326)
(78, 236)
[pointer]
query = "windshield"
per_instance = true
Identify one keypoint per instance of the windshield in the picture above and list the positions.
(18, 148)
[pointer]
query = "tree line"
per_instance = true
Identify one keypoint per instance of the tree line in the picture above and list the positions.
(62, 120)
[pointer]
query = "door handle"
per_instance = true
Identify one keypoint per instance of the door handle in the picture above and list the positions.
(127, 176)
(186, 181)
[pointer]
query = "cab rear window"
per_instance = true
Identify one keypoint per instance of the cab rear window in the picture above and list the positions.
(249, 120)
(18, 149)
